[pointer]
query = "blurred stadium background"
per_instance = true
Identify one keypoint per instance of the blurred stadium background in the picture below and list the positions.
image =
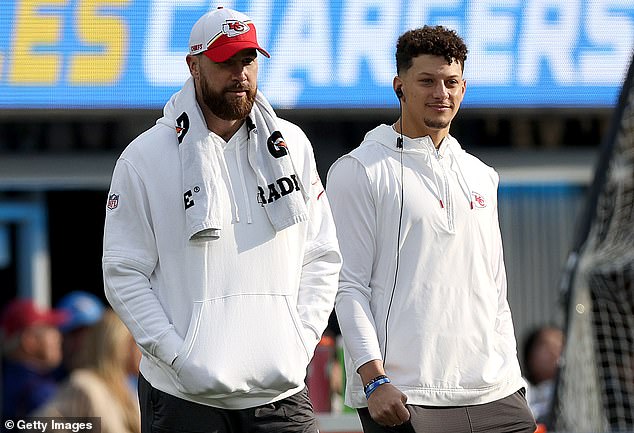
(79, 79)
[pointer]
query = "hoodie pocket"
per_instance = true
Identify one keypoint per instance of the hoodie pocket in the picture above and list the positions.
(241, 344)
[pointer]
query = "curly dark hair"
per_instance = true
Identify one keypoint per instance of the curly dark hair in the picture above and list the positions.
(434, 40)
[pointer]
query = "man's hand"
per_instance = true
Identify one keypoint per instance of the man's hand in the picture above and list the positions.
(387, 405)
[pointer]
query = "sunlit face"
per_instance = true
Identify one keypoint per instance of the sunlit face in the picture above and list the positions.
(433, 91)
(228, 89)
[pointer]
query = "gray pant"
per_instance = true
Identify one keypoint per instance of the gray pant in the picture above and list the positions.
(508, 415)
(164, 413)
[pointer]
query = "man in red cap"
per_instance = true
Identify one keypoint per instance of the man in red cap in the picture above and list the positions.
(220, 253)
(32, 346)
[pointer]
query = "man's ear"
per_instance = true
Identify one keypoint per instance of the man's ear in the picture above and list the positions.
(193, 65)
(397, 85)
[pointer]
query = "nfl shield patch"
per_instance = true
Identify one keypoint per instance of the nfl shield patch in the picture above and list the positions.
(113, 201)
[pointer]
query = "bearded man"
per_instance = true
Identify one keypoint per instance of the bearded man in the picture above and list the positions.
(220, 252)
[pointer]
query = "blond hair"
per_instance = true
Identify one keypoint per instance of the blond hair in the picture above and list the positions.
(106, 353)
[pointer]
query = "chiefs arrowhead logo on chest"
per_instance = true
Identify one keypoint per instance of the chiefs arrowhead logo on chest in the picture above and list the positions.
(478, 200)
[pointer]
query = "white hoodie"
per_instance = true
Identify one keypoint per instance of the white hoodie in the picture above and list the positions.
(446, 321)
(233, 322)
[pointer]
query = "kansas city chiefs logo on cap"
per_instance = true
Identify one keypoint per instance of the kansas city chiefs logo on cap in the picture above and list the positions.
(233, 28)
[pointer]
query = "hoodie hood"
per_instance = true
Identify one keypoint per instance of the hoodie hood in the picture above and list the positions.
(449, 148)
(387, 136)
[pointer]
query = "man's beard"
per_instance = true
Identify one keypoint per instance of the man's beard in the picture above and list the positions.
(435, 124)
(220, 106)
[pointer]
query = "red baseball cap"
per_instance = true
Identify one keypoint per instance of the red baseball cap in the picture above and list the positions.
(221, 33)
(22, 313)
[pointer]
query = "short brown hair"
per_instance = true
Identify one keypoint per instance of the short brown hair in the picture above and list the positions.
(434, 40)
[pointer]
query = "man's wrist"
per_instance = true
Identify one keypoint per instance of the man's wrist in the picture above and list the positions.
(370, 370)
(373, 384)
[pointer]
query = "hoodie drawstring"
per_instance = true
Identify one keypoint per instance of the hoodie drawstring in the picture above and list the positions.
(245, 192)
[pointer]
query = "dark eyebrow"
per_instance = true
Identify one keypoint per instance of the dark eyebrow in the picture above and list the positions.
(430, 75)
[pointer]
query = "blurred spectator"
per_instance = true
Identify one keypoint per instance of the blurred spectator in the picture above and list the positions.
(98, 386)
(84, 310)
(542, 351)
(318, 375)
(32, 350)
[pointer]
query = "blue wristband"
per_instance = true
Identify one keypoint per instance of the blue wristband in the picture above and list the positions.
(374, 379)
(372, 386)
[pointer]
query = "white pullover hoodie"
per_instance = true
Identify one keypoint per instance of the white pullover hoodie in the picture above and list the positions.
(440, 322)
(233, 322)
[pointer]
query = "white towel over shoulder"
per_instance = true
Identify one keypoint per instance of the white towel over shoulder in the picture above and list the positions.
(203, 166)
